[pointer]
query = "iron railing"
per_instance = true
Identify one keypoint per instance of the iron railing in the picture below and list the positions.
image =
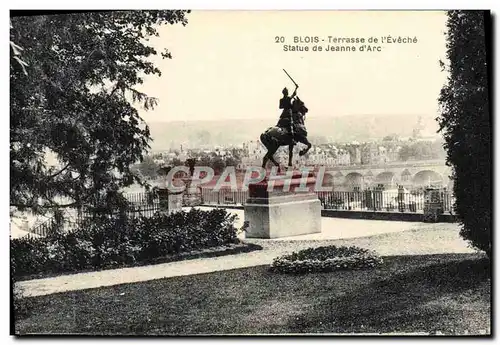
(148, 204)
(223, 197)
(139, 205)
(373, 201)
(369, 200)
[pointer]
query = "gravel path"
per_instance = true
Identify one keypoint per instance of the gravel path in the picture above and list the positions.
(409, 239)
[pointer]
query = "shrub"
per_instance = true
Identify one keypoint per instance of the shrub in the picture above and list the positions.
(326, 259)
(114, 242)
(466, 123)
(22, 306)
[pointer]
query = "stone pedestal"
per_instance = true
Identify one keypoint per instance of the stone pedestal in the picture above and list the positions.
(192, 195)
(170, 202)
(175, 202)
(285, 211)
(433, 205)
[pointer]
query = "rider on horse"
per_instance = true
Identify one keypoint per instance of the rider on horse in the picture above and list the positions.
(289, 130)
(299, 111)
(286, 118)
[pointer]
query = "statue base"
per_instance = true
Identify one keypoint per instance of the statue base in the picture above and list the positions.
(433, 205)
(174, 203)
(169, 202)
(191, 200)
(191, 196)
(291, 208)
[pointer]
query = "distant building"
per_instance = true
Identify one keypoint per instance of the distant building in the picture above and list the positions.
(354, 153)
(417, 130)
(343, 157)
(252, 154)
(369, 154)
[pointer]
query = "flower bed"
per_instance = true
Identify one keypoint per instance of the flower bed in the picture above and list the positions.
(326, 259)
(110, 243)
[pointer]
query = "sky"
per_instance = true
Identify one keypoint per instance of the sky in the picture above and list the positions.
(227, 65)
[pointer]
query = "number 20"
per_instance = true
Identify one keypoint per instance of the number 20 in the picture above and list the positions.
(279, 39)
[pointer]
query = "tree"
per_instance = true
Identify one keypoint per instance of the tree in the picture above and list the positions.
(438, 150)
(218, 165)
(392, 137)
(205, 160)
(148, 167)
(238, 153)
(421, 150)
(465, 122)
(204, 137)
(405, 153)
(176, 162)
(76, 98)
(230, 161)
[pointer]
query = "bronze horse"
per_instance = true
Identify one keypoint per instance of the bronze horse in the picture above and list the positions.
(275, 137)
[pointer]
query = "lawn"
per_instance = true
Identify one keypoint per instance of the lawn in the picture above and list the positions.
(449, 293)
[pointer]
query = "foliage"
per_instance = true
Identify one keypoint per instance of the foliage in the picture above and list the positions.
(73, 98)
(22, 306)
(217, 162)
(176, 162)
(422, 150)
(392, 137)
(230, 161)
(326, 259)
(466, 123)
(112, 242)
(148, 168)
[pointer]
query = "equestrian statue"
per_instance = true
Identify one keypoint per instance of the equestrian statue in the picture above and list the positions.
(289, 130)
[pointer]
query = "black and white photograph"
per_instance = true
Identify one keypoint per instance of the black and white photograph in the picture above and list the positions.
(189, 172)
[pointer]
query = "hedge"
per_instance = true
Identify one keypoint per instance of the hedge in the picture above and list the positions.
(326, 259)
(466, 122)
(107, 243)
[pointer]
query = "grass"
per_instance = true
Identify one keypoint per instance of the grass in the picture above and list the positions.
(449, 293)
